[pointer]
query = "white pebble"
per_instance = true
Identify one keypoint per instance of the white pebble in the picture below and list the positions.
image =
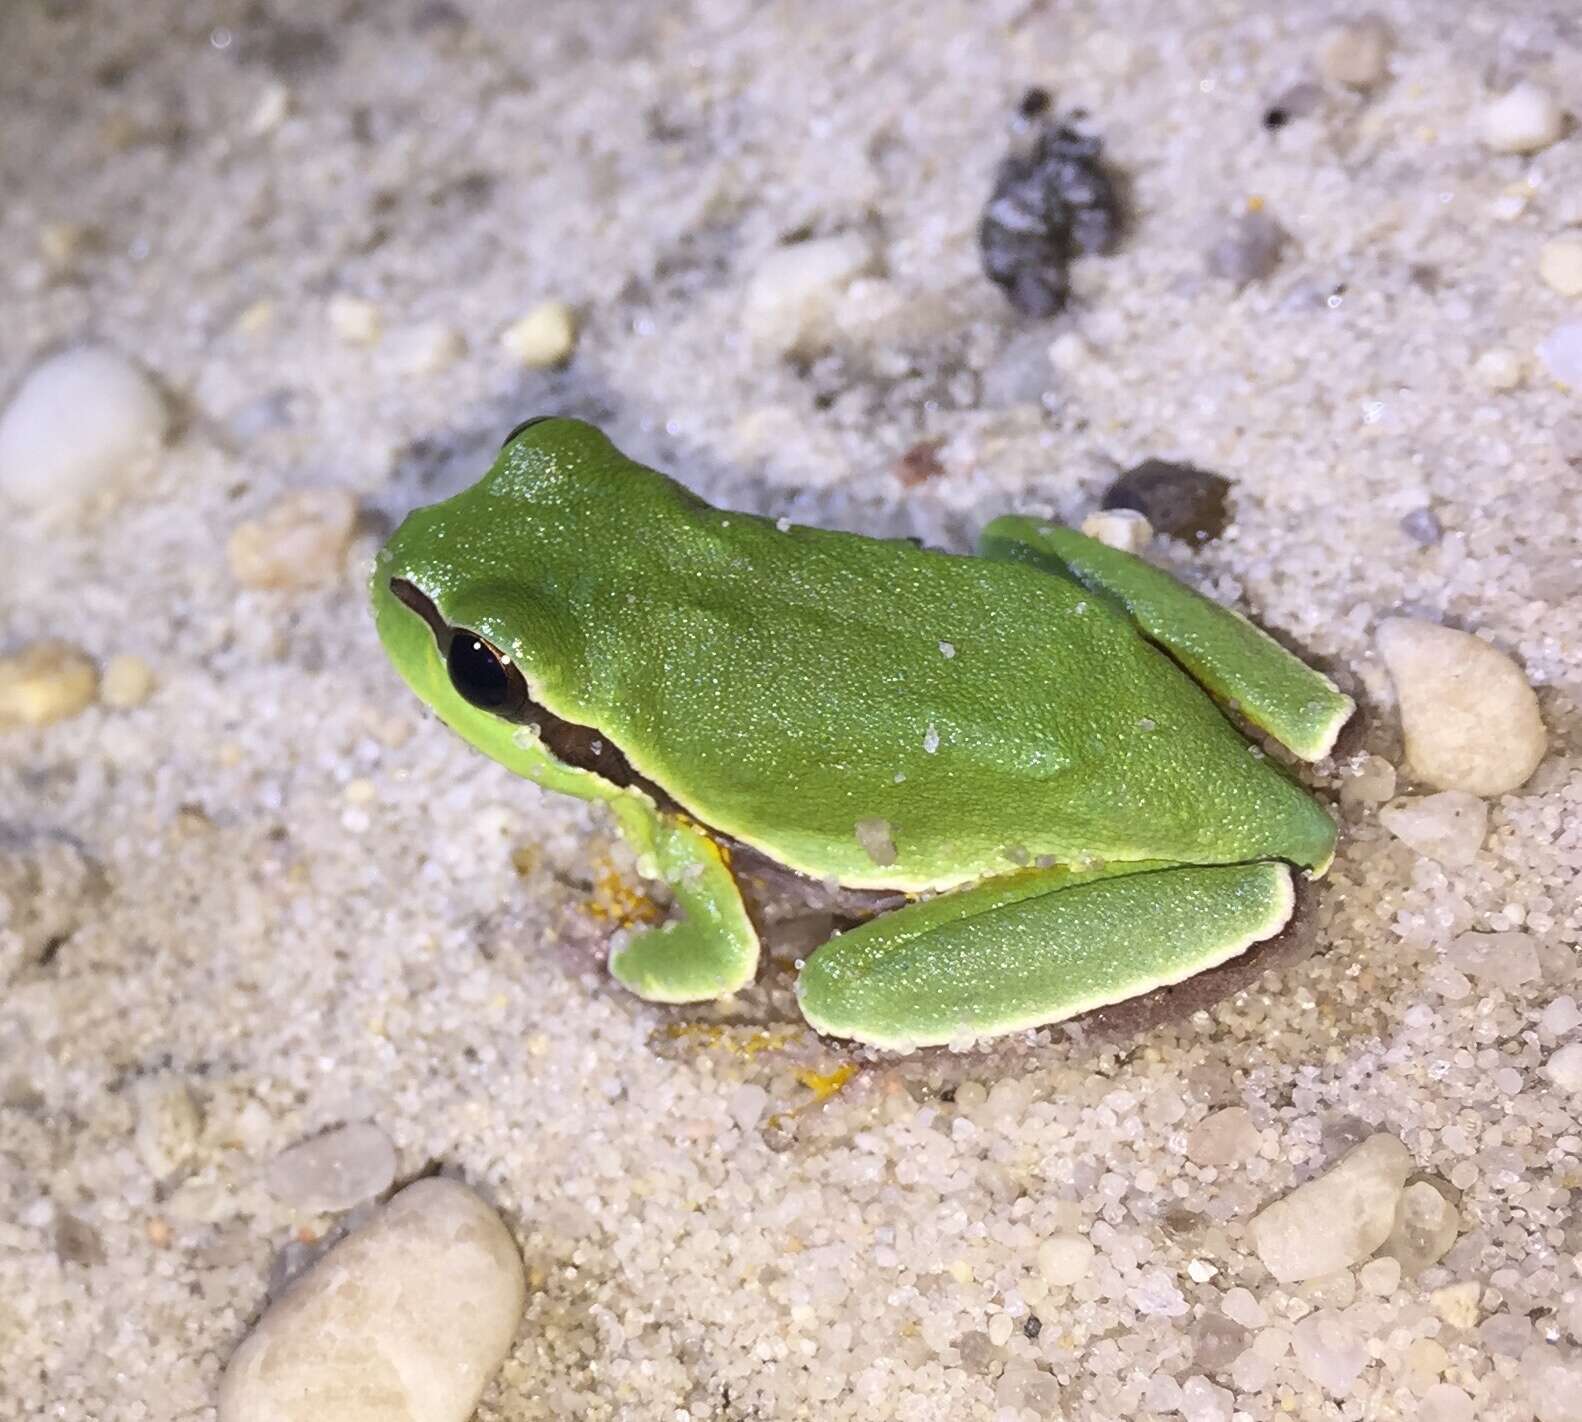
(301, 540)
(1470, 719)
(1202, 1401)
(1337, 1220)
(1241, 1307)
(167, 1124)
(1499, 368)
(46, 682)
(1564, 1067)
(427, 349)
(1329, 1351)
(1380, 1276)
(1445, 1403)
(1505, 960)
(1065, 1258)
(127, 682)
(1560, 1016)
(1125, 529)
(1226, 1137)
(545, 337)
(794, 296)
(1370, 782)
(335, 1170)
(1448, 827)
(1560, 265)
(1357, 53)
(746, 1104)
(1561, 353)
(403, 1321)
(1523, 120)
(83, 422)
(1457, 1304)
(355, 321)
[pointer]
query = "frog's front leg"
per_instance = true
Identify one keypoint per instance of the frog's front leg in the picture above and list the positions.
(708, 948)
(1237, 663)
(1036, 947)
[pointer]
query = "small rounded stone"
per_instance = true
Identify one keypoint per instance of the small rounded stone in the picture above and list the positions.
(1065, 1258)
(793, 298)
(127, 682)
(1448, 827)
(1470, 719)
(1523, 120)
(1499, 368)
(1561, 353)
(545, 337)
(300, 541)
(1336, 1220)
(1357, 53)
(406, 1318)
(355, 321)
(1564, 1068)
(1125, 529)
(1560, 265)
(46, 682)
(83, 422)
(335, 1170)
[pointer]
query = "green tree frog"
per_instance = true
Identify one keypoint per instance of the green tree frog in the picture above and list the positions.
(1027, 745)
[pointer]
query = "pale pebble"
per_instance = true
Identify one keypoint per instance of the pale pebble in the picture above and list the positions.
(1202, 1401)
(1507, 959)
(1370, 782)
(1470, 719)
(1552, 1379)
(168, 1124)
(334, 1170)
(1499, 368)
(1457, 1304)
(1336, 1220)
(1356, 53)
(545, 337)
(1380, 1276)
(1240, 1306)
(405, 1320)
(427, 349)
(1564, 1068)
(300, 541)
(354, 320)
(1560, 1016)
(1560, 265)
(1125, 529)
(1225, 1137)
(1448, 828)
(1561, 353)
(46, 682)
(1426, 1225)
(127, 682)
(1525, 119)
(1063, 1259)
(1329, 1351)
(791, 300)
(83, 422)
(1444, 1402)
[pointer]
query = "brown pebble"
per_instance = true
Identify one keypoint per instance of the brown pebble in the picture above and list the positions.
(920, 463)
(1179, 500)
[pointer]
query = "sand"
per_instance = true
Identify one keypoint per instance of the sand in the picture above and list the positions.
(281, 894)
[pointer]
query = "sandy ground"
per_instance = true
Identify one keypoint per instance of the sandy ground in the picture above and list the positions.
(291, 895)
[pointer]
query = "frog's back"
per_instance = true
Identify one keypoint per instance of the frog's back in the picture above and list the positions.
(786, 684)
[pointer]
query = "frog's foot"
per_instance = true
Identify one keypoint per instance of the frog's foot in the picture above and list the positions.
(1239, 664)
(709, 947)
(1008, 955)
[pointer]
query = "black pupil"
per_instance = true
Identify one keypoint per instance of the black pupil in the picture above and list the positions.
(477, 672)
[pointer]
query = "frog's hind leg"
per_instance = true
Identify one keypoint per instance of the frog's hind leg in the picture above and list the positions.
(1038, 947)
(709, 947)
(1236, 662)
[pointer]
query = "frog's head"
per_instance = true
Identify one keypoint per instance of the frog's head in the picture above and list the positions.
(464, 590)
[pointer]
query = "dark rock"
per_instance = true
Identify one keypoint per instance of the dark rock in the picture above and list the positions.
(1052, 202)
(1179, 500)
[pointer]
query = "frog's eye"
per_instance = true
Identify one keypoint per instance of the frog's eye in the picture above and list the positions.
(525, 425)
(484, 676)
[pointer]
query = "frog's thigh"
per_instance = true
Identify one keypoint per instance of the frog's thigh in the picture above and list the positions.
(923, 975)
(708, 948)
(1238, 663)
